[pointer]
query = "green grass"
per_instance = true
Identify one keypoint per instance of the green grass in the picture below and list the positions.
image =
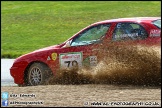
(30, 25)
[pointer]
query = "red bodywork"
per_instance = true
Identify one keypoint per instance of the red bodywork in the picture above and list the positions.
(22, 63)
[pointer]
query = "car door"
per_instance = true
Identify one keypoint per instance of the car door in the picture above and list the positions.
(80, 50)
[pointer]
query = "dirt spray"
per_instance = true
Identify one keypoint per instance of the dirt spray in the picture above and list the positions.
(122, 65)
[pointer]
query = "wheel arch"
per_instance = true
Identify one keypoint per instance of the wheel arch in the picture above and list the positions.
(28, 66)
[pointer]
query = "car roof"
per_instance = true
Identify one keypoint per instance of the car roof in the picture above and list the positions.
(133, 19)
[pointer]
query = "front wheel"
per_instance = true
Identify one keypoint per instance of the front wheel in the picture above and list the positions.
(38, 74)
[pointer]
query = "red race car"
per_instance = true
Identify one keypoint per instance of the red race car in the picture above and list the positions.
(36, 67)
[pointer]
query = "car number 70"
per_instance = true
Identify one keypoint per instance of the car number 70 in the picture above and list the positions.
(74, 63)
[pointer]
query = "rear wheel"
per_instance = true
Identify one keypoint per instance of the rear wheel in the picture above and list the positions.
(38, 74)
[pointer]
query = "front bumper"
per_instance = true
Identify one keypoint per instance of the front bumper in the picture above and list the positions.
(18, 74)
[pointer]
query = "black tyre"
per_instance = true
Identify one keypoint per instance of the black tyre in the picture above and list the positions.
(38, 74)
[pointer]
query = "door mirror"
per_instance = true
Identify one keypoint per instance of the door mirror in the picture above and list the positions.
(67, 44)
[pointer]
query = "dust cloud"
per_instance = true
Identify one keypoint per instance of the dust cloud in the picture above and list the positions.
(121, 65)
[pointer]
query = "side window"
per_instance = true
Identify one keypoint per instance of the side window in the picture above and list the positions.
(91, 35)
(129, 31)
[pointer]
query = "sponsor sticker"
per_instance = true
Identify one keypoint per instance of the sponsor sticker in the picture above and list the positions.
(155, 32)
(93, 60)
(69, 60)
(90, 61)
(54, 56)
(48, 58)
(119, 25)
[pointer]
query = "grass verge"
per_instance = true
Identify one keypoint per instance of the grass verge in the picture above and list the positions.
(30, 25)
